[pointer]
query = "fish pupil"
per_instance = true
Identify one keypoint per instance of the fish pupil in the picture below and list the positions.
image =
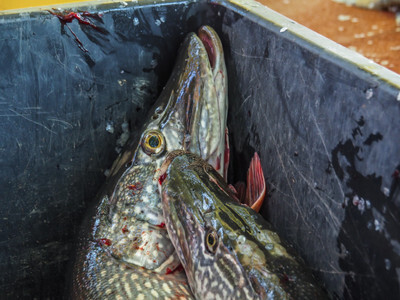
(154, 141)
(211, 240)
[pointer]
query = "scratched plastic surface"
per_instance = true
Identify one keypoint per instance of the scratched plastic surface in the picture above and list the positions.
(327, 134)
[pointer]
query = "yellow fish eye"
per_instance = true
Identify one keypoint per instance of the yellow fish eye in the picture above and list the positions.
(153, 142)
(211, 240)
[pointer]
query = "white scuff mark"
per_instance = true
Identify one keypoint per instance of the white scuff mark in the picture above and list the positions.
(124, 3)
(135, 21)
(110, 127)
(283, 29)
(158, 22)
(64, 123)
(354, 20)
(398, 96)
(369, 93)
(162, 19)
(30, 120)
(107, 172)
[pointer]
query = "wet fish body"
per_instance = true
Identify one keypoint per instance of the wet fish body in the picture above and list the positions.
(227, 250)
(124, 249)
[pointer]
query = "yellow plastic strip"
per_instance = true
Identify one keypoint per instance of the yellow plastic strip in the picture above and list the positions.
(14, 4)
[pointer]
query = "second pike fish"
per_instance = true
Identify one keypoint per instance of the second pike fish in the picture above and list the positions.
(227, 249)
(125, 251)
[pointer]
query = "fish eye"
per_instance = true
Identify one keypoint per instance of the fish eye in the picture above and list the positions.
(153, 142)
(211, 240)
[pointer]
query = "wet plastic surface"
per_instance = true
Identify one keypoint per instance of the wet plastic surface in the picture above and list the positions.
(327, 134)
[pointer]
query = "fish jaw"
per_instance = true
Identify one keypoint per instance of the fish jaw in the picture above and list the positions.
(212, 143)
(188, 231)
(193, 188)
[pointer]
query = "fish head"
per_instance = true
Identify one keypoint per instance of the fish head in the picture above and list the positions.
(226, 248)
(212, 269)
(189, 114)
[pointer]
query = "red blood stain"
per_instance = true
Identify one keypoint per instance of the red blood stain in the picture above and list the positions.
(125, 218)
(83, 18)
(177, 269)
(162, 178)
(396, 174)
(125, 229)
(105, 242)
(162, 225)
(69, 16)
(218, 164)
(135, 187)
(154, 261)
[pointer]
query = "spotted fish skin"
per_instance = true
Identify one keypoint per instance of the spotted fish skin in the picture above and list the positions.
(248, 259)
(125, 233)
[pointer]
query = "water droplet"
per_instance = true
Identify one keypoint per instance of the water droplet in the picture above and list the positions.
(388, 264)
(369, 93)
(386, 191)
(283, 29)
(269, 246)
(135, 21)
(377, 224)
(368, 204)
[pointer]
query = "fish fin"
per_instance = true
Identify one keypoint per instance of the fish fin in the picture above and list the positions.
(226, 154)
(256, 187)
(240, 187)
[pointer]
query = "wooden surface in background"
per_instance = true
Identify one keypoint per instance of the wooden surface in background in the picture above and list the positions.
(374, 34)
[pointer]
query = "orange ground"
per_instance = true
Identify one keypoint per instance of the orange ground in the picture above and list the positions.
(371, 33)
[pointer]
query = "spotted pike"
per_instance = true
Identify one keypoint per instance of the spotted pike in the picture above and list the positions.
(227, 249)
(125, 251)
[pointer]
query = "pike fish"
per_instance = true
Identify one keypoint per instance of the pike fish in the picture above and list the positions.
(227, 249)
(125, 251)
